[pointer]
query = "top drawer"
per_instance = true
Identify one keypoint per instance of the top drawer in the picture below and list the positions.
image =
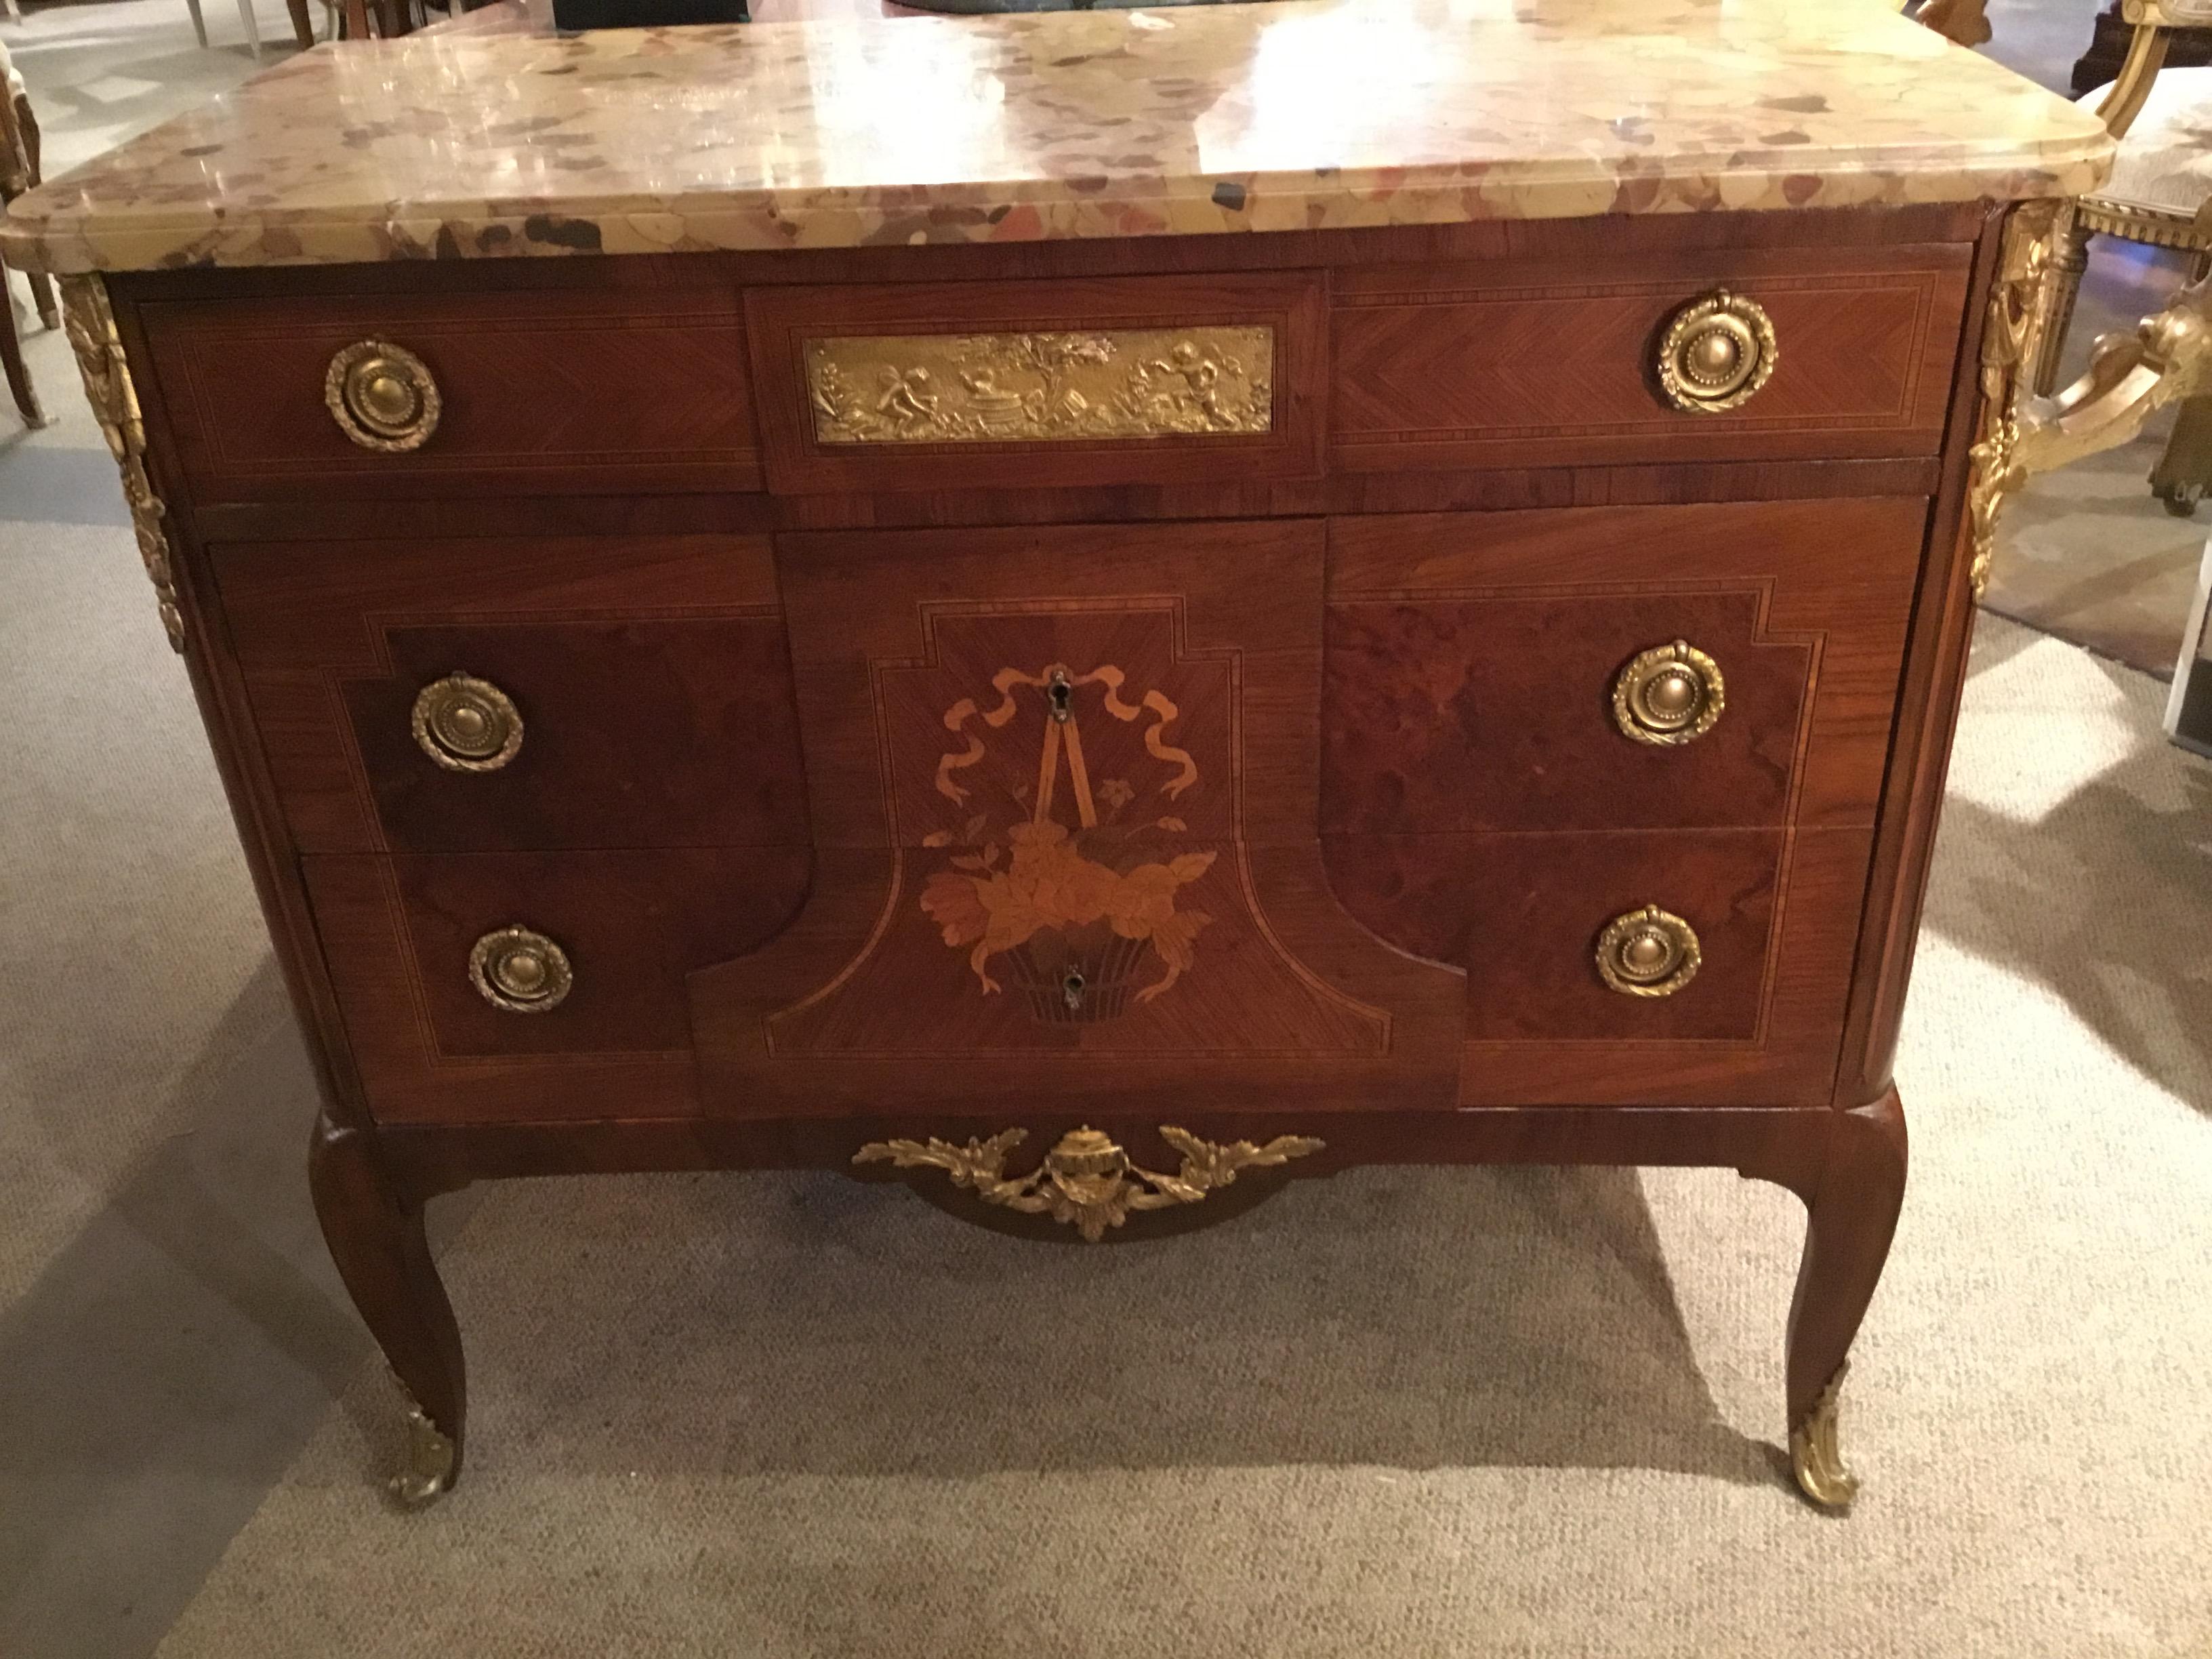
(530, 390)
(1843, 352)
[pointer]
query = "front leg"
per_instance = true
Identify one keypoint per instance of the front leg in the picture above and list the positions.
(374, 1230)
(1851, 1209)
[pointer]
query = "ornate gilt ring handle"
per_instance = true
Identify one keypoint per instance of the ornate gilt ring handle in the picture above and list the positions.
(466, 724)
(1669, 695)
(1650, 952)
(382, 396)
(521, 971)
(1715, 354)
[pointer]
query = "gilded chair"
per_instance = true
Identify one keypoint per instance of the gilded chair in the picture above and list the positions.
(2159, 194)
(19, 170)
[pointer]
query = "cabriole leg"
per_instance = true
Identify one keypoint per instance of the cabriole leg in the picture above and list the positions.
(1851, 1217)
(375, 1232)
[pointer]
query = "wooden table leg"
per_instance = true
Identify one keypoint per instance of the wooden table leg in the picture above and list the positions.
(1851, 1217)
(303, 26)
(375, 1232)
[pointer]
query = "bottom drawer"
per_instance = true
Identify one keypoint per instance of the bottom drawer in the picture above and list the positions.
(478, 988)
(1773, 915)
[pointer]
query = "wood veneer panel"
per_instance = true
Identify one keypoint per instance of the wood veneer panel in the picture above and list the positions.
(551, 392)
(1160, 839)
(1776, 912)
(1471, 659)
(651, 676)
(396, 934)
(1509, 364)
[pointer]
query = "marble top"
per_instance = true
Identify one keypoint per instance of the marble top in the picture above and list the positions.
(505, 140)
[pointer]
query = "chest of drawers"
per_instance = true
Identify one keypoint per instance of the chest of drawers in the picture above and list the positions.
(1008, 689)
(1197, 727)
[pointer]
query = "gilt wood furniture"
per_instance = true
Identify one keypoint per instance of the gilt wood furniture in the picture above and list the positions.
(2159, 194)
(1236, 592)
(19, 171)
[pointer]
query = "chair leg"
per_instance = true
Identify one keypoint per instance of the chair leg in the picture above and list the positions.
(251, 26)
(303, 28)
(2066, 272)
(26, 142)
(11, 361)
(199, 23)
(2184, 473)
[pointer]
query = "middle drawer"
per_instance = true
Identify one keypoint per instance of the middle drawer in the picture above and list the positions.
(492, 695)
(1707, 666)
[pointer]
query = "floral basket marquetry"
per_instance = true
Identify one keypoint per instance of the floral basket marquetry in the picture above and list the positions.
(1070, 914)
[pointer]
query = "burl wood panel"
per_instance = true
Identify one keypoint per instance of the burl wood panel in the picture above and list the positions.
(545, 392)
(1551, 362)
(1471, 659)
(396, 934)
(1157, 843)
(1775, 913)
(651, 674)
(780, 321)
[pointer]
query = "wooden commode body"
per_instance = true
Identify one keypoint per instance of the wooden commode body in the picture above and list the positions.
(1095, 727)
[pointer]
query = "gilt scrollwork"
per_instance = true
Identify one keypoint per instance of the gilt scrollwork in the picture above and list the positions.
(2018, 299)
(1016, 388)
(1087, 1181)
(90, 319)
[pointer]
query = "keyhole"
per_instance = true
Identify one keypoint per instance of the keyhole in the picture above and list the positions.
(1059, 692)
(1071, 989)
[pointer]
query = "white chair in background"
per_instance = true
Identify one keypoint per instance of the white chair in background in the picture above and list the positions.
(302, 29)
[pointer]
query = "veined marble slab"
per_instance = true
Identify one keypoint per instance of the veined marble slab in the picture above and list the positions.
(471, 143)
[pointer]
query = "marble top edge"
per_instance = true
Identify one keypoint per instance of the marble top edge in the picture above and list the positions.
(1306, 115)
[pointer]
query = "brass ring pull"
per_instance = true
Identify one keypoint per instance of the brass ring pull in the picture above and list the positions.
(466, 724)
(1715, 354)
(382, 396)
(1648, 953)
(1671, 694)
(520, 972)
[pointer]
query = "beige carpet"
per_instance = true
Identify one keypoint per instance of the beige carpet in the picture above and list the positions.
(1420, 1413)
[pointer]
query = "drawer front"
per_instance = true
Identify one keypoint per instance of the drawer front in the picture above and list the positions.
(1015, 384)
(1518, 364)
(1614, 668)
(1773, 915)
(479, 696)
(1064, 790)
(542, 392)
(603, 1029)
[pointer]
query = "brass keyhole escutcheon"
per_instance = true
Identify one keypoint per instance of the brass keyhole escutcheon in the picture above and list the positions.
(382, 396)
(466, 724)
(1650, 952)
(519, 971)
(1071, 991)
(1668, 695)
(1059, 694)
(1715, 354)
